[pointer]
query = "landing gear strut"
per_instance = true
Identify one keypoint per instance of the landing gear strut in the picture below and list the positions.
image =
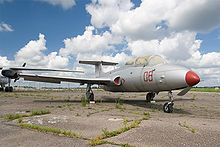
(150, 96)
(89, 93)
(168, 106)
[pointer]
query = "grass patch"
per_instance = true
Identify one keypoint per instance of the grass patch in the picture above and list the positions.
(205, 89)
(84, 101)
(187, 126)
(40, 112)
(119, 105)
(33, 113)
(46, 129)
(107, 134)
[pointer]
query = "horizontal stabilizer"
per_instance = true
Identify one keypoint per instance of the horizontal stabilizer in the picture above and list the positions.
(98, 62)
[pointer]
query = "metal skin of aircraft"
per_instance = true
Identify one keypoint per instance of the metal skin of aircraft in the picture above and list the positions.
(13, 72)
(150, 74)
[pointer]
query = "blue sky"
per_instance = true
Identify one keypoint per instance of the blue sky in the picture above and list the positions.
(110, 30)
(29, 18)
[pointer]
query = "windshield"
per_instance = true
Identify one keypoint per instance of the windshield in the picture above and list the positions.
(150, 60)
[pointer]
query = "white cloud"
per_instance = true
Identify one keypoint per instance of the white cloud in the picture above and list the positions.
(33, 55)
(106, 12)
(177, 46)
(5, 27)
(155, 19)
(4, 61)
(90, 43)
(196, 15)
(66, 4)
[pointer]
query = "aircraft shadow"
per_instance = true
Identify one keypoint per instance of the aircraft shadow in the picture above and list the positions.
(143, 104)
(138, 103)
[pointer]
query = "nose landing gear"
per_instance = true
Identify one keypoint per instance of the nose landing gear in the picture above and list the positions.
(168, 106)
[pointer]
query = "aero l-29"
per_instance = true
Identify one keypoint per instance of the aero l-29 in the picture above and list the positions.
(150, 74)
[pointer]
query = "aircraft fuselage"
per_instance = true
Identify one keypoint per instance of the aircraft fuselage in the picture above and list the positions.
(158, 78)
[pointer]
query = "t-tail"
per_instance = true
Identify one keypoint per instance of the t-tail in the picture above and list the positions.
(98, 66)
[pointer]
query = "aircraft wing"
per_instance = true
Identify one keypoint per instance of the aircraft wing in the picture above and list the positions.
(43, 69)
(58, 80)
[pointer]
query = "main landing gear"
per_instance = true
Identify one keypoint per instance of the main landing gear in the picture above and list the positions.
(89, 93)
(168, 106)
(9, 89)
(150, 96)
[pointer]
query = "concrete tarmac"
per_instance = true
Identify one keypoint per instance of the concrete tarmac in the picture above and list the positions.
(194, 122)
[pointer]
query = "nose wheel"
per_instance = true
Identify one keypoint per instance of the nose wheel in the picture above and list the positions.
(168, 106)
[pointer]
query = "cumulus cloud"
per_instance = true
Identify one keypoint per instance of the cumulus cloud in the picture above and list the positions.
(155, 19)
(5, 27)
(106, 12)
(33, 55)
(196, 15)
(89, 42)
(66, 4)
(4, 61)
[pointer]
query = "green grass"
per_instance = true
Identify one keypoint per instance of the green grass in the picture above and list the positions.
(188, 127)
(40, 112)
(84, 101)
(33, 113)
(205, 89)
(46, 129)
(107, 134)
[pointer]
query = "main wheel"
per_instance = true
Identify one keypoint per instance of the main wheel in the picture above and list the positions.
(6, 89)
(168, 107)
(10, 89)
(150, 96)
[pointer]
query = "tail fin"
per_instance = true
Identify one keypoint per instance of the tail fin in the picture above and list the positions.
(98, 66)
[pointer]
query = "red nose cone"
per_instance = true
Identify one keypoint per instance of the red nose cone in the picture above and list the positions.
(192, 78)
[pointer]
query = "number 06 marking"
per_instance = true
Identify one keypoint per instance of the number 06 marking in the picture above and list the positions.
(148, 76)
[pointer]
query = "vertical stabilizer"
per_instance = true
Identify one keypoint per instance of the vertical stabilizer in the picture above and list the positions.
(98, 66)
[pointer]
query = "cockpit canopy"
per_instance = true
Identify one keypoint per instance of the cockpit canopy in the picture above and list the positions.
(150, 60)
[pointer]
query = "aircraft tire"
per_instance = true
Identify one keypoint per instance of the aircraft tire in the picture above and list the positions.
(10, 89)
(1, 89)
(6, 89)
(168, 107)
(91, 97)
(150, 96)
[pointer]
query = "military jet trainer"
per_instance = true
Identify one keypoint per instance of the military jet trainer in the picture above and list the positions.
(150, 74)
